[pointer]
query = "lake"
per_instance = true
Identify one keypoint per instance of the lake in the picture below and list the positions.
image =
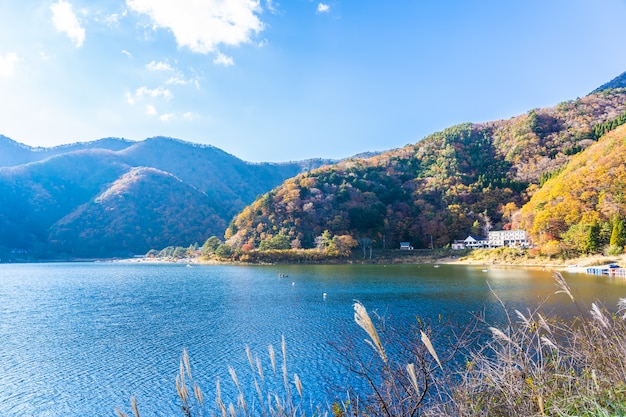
(79, 339)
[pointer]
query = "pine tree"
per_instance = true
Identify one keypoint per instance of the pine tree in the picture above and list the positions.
(617, 235)
(592, 239)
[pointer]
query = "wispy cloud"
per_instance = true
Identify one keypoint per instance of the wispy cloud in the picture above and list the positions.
(66, 22)
(7, 64)
(166, 117)
(224, 60)
(151, 110)
(269, 5)
(323, 8)
(128, 54)
(154, 93)
(159, 66)
(203, 25)
(180, 80)
(145, 92)
(113, 20)
(190, 116)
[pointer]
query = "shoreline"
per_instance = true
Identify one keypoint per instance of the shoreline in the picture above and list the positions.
(577, 265)
(394, 257)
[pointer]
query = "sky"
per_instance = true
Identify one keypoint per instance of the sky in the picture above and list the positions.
(272, 80)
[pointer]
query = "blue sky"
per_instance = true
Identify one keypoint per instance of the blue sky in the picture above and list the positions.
(287, 80)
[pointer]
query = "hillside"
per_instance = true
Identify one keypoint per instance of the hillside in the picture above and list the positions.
(617, 82)
(145, 208)
(463, 180)
(48, 207)
(575, 210)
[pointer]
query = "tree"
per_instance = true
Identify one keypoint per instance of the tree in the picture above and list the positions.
(364, 243)
(342, 245)
(278, 242)
(224, 251)
(617, 235)
(616, 243)
(486, 224)
(593, 239)
(476, 229)
(323, 242)
(210, 246)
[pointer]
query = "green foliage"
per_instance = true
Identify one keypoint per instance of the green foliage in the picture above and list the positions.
(224, 251)
(210, 246)
(277, 242)
(601, 129)
(592, 239)
(617, 235)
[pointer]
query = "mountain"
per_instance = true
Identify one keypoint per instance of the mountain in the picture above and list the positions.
(465, 179)
(617, 82)
(51, 205)
(229, 181)
(145, 208)
(13, 153)
(588, 193)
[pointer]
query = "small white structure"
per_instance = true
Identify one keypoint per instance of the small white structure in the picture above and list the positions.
(475, 242)
(458, 245)
(406, 246)
(510, 238)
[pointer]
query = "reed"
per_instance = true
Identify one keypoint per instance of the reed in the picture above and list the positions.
(538, 367)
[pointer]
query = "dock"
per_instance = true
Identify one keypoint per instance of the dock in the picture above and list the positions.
(611, 270)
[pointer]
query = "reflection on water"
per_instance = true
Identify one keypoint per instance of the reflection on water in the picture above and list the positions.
(80, 339)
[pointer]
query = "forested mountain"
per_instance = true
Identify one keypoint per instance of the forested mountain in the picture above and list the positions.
(145, 208)
(465, 179)
(577, 210)
(13, 153)
(617, 82)
(63, 205)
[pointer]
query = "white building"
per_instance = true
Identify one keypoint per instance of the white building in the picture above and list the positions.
(510, 238)
(475, 242)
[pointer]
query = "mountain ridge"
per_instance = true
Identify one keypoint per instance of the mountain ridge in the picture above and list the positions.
(62, 183)
(463, 180)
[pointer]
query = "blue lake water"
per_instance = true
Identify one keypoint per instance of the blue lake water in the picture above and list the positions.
(78, 339)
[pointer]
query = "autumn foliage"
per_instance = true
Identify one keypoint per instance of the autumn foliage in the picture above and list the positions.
(466, 179)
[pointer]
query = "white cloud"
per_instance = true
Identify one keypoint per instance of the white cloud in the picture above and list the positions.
(150, 93)
(177, 80)
(203, 25)
(65, 21)
(159, 66)
(151, 110)
(269, 4)
(113, 20)
(8, 63)
(189, 116)
(166, 117)
(128, 54)
(323, 8)
(153, 92)
(224, 60)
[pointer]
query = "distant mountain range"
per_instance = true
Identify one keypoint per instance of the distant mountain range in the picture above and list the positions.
(115, 197)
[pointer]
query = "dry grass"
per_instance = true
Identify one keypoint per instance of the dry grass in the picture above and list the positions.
(534, 366)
